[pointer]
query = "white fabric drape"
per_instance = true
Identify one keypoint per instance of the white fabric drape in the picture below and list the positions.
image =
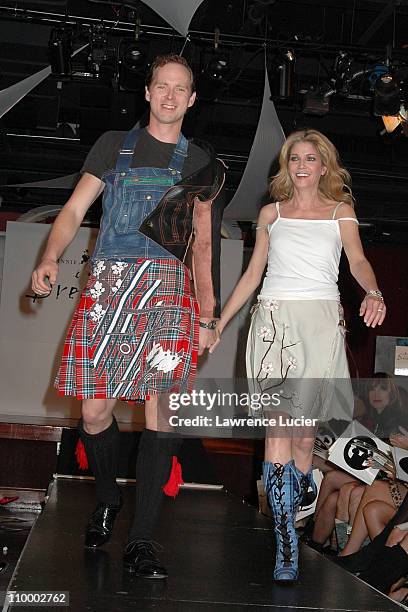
(268, 140)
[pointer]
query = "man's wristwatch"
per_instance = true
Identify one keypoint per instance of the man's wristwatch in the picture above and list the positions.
(209, 325)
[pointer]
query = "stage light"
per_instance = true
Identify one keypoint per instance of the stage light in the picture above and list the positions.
(59, 51)
(392, 122)
(132, 67)
(98, 51)
(286, 68)
(214, 76)
(387, 96)
(218, 68)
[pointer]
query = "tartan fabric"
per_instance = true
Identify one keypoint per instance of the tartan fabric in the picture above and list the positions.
(134, 332)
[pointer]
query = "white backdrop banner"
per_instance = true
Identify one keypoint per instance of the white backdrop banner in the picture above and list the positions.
(13, 94)
(33, 330)
(269, 137)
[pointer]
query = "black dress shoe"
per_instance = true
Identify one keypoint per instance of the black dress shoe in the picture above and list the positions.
(140, 559)
(100, 524)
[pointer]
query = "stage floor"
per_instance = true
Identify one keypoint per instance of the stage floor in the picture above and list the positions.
(218, 552)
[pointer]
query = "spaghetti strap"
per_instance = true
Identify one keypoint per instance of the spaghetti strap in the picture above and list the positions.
(348, 219)
(277, 209)
(336, 209)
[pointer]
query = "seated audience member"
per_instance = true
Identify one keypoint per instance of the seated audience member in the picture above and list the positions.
(371, 507)
(384, 561)
(341, 495)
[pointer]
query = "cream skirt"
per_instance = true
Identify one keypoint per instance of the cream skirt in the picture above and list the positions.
(296, 356)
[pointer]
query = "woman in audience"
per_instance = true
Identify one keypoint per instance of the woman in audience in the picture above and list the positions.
(384, 561)
(343, 496)
(380, 501)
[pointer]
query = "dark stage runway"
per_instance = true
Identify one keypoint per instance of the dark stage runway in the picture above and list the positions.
(218, 552)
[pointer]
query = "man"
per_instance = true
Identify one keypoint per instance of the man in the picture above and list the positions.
(135, 333)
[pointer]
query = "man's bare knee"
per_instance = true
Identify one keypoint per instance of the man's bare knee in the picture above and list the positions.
(96, 414)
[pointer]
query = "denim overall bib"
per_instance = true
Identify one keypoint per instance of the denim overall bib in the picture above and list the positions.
(130, 195)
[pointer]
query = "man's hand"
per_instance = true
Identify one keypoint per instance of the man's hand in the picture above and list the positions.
(206, 339)
(44, 276)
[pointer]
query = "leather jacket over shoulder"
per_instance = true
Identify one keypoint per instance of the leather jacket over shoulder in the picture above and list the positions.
(187, 223)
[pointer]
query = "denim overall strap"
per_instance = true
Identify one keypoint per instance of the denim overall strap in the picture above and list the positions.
(124, 159)
(179, 154)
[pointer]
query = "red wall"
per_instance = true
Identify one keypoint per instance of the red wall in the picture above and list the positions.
(390, 263)
(7, 216)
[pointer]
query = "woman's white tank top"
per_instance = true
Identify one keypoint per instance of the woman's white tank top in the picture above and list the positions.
(303, 258)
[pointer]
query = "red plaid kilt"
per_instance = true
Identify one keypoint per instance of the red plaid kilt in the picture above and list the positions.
(134, 332)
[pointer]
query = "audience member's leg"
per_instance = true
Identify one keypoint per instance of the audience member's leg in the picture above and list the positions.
(332, 481)
(388, 566)
(376, 515)
(379, 490)
(325, 520)
(343, 501)
(362, 559)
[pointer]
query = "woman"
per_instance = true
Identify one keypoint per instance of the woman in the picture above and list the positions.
(296, 340)
(384, 561)
(345, 497)
(379, 502)
(384, 406)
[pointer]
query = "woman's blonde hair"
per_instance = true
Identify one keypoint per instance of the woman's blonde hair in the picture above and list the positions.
(335, 184)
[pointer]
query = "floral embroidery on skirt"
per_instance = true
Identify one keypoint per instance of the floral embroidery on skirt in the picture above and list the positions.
(296, 348)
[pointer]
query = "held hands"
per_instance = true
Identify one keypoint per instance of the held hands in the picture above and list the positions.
(205, 339)
(373, 310)
(44, 277)
(217, 339)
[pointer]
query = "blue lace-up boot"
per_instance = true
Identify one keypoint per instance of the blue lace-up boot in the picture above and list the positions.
(283, 487)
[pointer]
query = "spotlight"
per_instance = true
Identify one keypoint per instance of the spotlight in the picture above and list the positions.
(97, 51)
(218, 68)
(387, 96)
(213, 76)
(391, 122)
(342, 72)
(286, 68)
(132, 67)
(59, 51)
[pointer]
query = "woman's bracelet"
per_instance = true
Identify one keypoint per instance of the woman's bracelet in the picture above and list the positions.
(374, 293)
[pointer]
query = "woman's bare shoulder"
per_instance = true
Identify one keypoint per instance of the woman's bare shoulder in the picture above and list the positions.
(343, 210)
(268, 214)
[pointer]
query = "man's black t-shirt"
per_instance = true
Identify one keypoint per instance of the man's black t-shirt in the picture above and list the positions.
(149, 153)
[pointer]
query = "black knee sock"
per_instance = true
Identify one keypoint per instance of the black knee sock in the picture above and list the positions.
(102, 450)
(153, 468)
